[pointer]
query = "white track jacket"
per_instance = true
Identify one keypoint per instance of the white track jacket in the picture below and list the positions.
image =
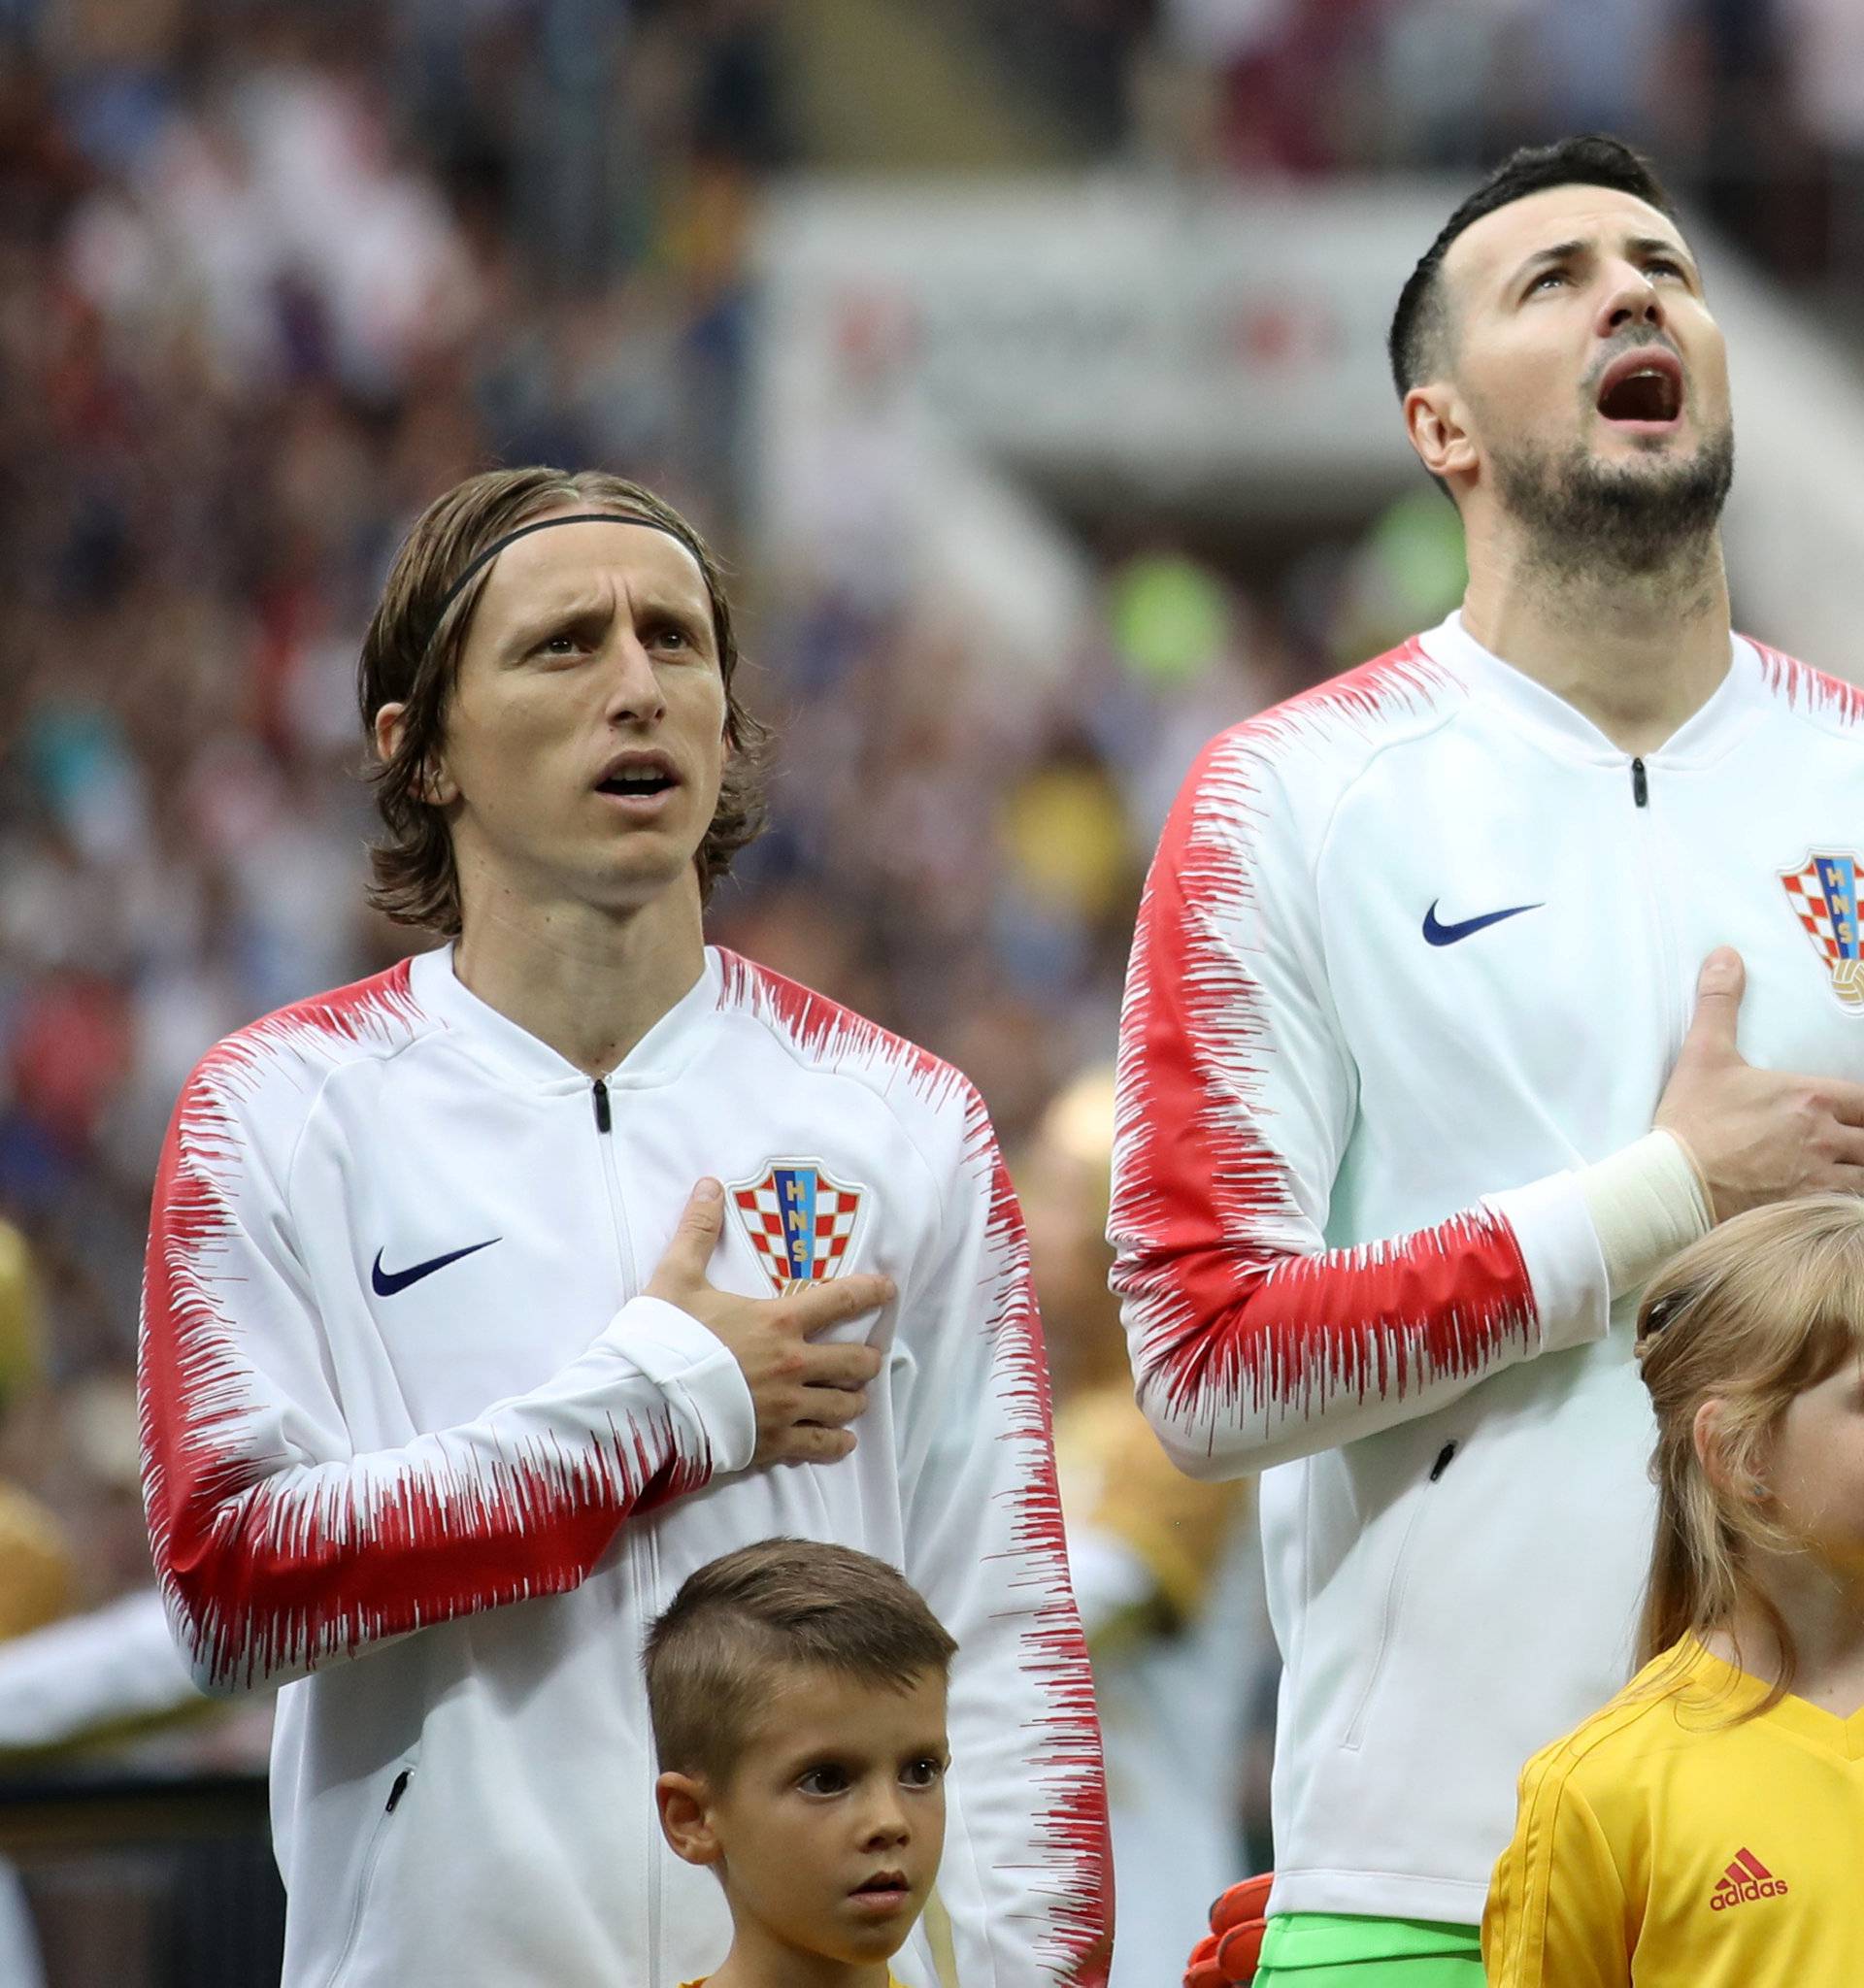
(413, 1437)
(1417, 945)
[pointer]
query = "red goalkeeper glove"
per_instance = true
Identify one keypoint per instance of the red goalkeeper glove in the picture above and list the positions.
(1228, 1952)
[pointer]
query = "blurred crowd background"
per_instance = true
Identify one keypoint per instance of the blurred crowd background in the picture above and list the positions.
(274, 276)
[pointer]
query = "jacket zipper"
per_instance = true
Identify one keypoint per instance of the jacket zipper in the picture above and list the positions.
(1658, 895)
(656, 1961)
(370, 1859)
(1394, 1595)
(602, 1100)
(638, 1551)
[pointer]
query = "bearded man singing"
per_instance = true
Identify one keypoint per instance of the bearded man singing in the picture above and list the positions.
(1467, 987)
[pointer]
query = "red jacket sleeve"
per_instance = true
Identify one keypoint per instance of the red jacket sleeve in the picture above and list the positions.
(1027, 1873)
(1251, 1342)
(278, 1546)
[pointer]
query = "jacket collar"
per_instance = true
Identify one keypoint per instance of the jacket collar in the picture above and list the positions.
(1735, 704)
(514, 1053)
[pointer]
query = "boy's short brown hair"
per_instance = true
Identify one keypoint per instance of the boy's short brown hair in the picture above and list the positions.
(711, 1657)
(410, 656)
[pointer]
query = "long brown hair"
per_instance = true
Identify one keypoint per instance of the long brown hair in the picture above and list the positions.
(1753, 1314)
(411, 652)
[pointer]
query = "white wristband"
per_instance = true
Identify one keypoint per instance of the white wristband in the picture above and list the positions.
(1646, 1202)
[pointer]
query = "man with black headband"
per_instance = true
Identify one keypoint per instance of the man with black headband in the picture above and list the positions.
(451, 1376)
(1424, 957)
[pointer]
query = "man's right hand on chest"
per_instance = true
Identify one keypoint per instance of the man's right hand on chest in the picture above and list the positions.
(1756, 1136)
(804, 1394)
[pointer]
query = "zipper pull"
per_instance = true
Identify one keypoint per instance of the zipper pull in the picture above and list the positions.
(1640, 784)
(398, 1790)
(603, 1122)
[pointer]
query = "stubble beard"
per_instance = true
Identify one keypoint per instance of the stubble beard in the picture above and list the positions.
(1582, 519)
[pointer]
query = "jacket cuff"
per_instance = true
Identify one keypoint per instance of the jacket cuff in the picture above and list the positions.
(1564, 1263)
(694, 1368)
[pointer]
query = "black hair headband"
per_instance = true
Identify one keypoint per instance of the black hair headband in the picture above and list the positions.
(1667, 1307)
(541, 524)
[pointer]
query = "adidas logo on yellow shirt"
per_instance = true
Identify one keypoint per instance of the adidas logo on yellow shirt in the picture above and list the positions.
(1746, 1878)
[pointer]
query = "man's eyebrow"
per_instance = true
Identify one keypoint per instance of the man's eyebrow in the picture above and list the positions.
(661, 604)
(694, 616)
(1560, 251)
(535, 615)
(1658, 244)
(1565, 251)
(672, 600)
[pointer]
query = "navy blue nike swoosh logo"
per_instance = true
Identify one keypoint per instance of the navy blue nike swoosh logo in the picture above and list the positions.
(386, 1283)
(1448, 935)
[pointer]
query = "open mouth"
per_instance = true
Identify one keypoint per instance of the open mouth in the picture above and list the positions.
(638, 777)
(639, 783)
(1643, 389)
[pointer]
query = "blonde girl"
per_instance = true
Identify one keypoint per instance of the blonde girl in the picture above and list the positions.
(1705, 1829)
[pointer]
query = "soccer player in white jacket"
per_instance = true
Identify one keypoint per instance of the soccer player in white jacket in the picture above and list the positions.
(450, 1376)
(1425, 955)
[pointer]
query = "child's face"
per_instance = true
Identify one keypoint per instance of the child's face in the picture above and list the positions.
(1815, 1477)
(829, 1831)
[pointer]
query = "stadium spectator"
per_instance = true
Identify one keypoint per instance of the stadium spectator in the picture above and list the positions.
(87, 1650)
(35, 1557)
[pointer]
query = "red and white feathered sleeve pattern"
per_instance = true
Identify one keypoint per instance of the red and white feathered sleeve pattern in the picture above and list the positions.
(278, 1545)
(1251, 1342)
(1027, 1873)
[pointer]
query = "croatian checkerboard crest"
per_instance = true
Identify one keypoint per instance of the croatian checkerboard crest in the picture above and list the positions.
(801, 1222)
(1823, 891)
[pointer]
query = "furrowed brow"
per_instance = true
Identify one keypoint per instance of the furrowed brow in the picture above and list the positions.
(694, 618)
(540, 619)
(1660, 244)
(1549, 259)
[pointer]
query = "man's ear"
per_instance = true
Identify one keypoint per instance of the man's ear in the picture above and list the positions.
(387, 728)
(1437, 423)
(685, 1802)
(436, 788)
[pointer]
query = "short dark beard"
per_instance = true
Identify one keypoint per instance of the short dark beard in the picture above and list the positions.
(1582, 516)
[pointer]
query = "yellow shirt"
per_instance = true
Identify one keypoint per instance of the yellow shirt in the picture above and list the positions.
(35, 1564)
(1660, 1847)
